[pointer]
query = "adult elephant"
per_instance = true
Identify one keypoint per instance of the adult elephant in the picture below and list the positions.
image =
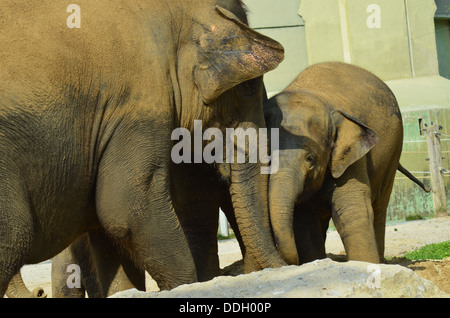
(86, 116)
(341, 138)
(198, 192)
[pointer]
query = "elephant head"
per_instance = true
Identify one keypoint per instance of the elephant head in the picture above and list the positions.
(219, 79)
(316, 142)
(217, 51)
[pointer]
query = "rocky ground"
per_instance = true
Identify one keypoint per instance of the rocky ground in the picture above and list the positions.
(400, 238)
(319, 279)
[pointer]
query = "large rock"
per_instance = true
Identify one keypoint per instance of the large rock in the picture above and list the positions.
(321, 278)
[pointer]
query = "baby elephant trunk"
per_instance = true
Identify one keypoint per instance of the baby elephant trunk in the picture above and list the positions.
(284, 190)
(17, 289)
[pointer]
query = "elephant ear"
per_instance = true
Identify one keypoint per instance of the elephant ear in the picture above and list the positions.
(353, 140)
(230, 53)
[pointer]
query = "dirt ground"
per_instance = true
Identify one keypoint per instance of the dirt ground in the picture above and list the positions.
(412, 235)
(401, 237)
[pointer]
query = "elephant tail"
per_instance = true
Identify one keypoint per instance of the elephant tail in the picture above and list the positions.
(412, 178)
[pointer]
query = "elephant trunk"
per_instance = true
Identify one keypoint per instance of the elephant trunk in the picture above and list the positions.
(17, 289)
(283, 192)
(248, 190)
(38, 292)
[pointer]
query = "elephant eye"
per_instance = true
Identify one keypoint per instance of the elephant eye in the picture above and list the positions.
(311, 160)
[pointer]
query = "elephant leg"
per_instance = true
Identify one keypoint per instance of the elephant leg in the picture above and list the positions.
(194, 189)
(114, 271)
(310, 232)
(227, 207)
(201, 234)
(352, 213)
(150, 232)
(102, 269)
(9, 267)
(379, 225)
(16, 231)
(131, 276)
(379, 210)
(64, 283)
(59, 276)
(134, 206)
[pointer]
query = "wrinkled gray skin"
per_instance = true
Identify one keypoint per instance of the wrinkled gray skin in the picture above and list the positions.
(340, 142)
(104, 269)
(198, 192)
(86, 117)
(102, 273)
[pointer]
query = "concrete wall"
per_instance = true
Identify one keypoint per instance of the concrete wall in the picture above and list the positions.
(394, 39)
(280, 21)
(391, 38)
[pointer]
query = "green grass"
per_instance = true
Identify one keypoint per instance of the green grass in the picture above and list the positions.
(431, 251)
(221, 237)
(414, 217)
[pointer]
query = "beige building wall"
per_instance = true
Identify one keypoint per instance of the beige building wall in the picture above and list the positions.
(394, 39)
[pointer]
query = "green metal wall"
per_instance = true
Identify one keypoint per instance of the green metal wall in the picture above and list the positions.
(407, 198)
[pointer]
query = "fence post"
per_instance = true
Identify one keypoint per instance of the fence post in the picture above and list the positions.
(437, 177)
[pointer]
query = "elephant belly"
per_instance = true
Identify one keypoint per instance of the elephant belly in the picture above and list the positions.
(55, 227)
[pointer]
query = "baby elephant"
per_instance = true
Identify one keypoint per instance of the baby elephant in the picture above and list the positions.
(341, 138)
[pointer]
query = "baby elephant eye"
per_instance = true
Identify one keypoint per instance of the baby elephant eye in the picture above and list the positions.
(311, 160)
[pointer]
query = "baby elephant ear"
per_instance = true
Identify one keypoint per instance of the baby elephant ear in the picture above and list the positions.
(353, 140)
(230, 53)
